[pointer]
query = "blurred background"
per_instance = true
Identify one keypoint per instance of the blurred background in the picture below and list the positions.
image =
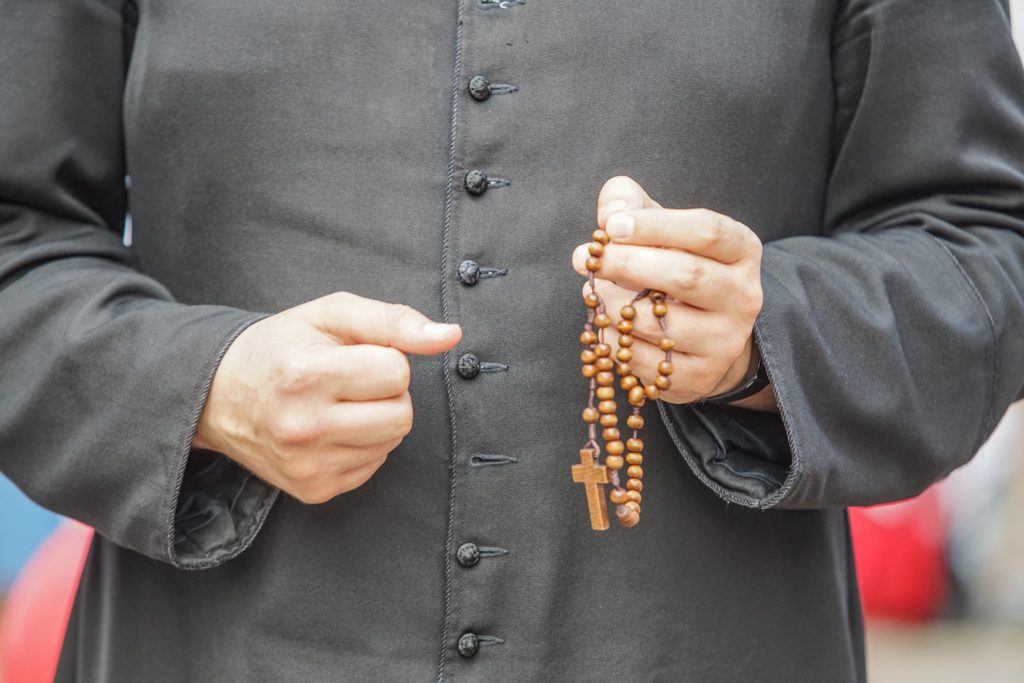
(941, 575)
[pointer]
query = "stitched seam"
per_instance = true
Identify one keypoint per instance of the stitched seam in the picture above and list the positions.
(446, 365)
(188, 429)
(764, 342)
(249, 531)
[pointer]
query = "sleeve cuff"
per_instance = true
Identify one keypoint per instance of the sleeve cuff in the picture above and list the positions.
(217, 507)
(742, 455)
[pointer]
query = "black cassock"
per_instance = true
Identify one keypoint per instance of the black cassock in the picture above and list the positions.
(279, 151)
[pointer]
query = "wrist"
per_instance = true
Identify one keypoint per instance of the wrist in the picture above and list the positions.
(754, 382)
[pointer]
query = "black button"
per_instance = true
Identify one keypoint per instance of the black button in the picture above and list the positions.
(479, 88)
(475, 182)
(469, 272)
(468, 554)
(468, 365)
(468, 645)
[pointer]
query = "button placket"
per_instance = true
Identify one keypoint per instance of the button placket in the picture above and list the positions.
(469, 556)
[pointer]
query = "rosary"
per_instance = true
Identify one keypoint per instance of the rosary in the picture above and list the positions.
(597, 368)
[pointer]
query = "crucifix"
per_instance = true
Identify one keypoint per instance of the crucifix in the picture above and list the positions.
(593, 477)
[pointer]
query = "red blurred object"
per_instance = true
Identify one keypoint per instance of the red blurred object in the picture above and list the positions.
(36, 612)
(901, 563)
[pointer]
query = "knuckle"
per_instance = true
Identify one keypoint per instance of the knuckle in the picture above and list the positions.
(404, 420)
(292, 430)
(689, 278)
(718, 227)
(394, 316)
(396, 367)
(316, 495)
(756, 246)
(339, 299)
(295, 374)
(754, 299)
(304, 472)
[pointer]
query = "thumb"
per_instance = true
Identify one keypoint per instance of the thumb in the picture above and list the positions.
(353, 319)
(622, 193)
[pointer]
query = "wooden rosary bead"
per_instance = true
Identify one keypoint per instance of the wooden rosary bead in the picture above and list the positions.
(635, 458)
(635, 422)
(624, 355)
(634, 485)
(656, 296)
(602, 320)
(614, 461)
(635, 445)
(628, 382)
(605, 379)
(603, 350)
(588, 356)
(615, 447)
(606, 407)
(635, 472)
(628, 518)
(624, 326)
(608, 419)
(604, 364)
(605, 393)
(625, 340)
(665, 368)
(618, 496)
(623, 369)
(589, 371)
(595, 249)
(651, 391)
(590, 414)
(588, 337)
(593, 264)
(610, 433)
(628, 312)
(662, 382)
(633, 495)
(632, 504)
(636, 396)
(601, 236)
(666, 344)
(590, 300)
(659, 309)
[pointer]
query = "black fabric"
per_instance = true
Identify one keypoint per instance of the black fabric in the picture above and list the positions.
(281, 151)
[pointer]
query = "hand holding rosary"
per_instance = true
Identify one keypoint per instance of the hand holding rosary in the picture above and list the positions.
(703, 267)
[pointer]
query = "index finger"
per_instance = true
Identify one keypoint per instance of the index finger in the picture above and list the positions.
(699, 231)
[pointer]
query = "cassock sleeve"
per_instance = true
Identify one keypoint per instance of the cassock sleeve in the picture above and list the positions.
(894, 341)
(102, 374)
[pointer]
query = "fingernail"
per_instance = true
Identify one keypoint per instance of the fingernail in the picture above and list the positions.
(438, 329)
(620, 226)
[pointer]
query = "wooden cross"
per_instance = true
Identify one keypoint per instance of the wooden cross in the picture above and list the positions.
(593, 477)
